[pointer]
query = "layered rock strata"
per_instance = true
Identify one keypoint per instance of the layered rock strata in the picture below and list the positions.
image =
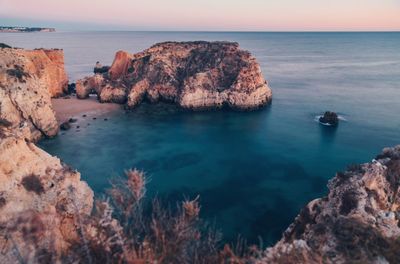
(194, 75)
(28, 80)
(42, 200)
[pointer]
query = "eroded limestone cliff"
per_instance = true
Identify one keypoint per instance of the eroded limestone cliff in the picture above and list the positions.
(41, 199)
(28, 80)
(358, 222)
(194, 75)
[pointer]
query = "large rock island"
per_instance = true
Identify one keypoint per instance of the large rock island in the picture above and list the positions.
(193, 75)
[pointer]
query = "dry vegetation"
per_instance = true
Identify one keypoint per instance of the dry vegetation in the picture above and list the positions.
(126, 228)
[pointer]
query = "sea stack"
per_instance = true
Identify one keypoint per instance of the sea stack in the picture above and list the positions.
(329, 118)
(193, 75)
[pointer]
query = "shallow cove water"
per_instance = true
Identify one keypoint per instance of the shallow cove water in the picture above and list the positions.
(254, 171)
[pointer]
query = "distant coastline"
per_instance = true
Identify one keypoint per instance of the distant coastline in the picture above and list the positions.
(25, 29)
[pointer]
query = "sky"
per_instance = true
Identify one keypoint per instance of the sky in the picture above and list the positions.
(204, 15)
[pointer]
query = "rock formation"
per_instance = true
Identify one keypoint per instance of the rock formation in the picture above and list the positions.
(28, 80)
(38, 195)
(358, 222)
(41, 199)
(194, 75)
(329, 118)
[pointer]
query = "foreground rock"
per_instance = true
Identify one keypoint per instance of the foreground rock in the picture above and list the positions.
(194, 75)
(329, 118)
(28, 80)
(41, 200)
(358, 222)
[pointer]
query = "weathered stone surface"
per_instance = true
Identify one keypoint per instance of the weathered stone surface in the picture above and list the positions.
(358, 222)
(194, 75)
(89, 85)
(28, 79)
(41, 198)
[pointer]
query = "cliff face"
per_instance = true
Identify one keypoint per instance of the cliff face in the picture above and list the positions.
(41, 199)
(194, 75)
(358, 222)
(28, 80)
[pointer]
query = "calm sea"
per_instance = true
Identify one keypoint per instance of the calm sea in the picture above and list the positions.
(253, 171)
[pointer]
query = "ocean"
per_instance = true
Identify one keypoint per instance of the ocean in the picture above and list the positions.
(254, 171)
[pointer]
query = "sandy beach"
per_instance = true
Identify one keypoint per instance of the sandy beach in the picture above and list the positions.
(73, 107)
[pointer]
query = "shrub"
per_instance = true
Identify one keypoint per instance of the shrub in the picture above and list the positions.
(32, 183)
(126, 228)
(18, 72)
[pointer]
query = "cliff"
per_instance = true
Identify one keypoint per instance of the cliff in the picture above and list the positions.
(41, 199)
(28, 80)
(194, 75)
(358, 222)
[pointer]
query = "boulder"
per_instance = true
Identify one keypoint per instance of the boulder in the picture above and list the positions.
(329, 118)
(100, 69)
(65, 126)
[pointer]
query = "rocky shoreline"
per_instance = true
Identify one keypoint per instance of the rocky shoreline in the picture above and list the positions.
(44, 201)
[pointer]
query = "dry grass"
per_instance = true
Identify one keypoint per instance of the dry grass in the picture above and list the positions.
(126, 228)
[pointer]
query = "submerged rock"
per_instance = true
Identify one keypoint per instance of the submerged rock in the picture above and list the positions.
(358, 222)
(329, 118)
(65, 126)
(194, 75)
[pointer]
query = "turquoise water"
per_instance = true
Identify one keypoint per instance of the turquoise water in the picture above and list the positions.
(253, 171)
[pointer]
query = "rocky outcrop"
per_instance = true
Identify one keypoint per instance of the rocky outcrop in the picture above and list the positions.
(41, 199)
(329, 118)
(358, 222)
(28, 80)
(194, 75)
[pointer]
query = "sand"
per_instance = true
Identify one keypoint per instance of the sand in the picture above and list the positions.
(73, 107)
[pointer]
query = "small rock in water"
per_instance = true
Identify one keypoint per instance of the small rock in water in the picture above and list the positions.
(105, 119)
(72, 120)
(330, 118)
(94, 118)
(77, 126)
(65, 126)
(83, 115)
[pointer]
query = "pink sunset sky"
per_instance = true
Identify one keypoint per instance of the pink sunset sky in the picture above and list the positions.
(254, 15)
